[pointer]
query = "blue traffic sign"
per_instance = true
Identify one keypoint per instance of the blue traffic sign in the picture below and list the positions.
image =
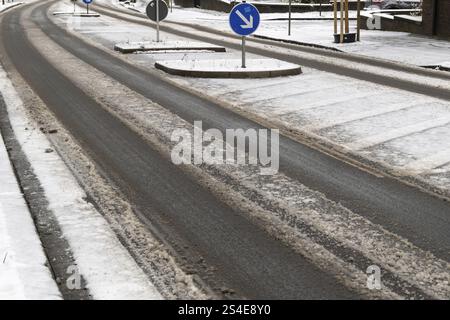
(87, 1)
(244, 19)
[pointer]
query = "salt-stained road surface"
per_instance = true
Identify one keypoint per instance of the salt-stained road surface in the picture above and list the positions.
(309, 231)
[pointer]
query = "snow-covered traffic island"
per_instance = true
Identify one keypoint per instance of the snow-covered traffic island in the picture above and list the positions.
(222, 68)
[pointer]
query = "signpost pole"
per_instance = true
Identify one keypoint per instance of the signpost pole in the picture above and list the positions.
(342, 22)
(358, 21)
(157, 20)
(87, 8)
(290, 16)
(335, 16)
(243, 52)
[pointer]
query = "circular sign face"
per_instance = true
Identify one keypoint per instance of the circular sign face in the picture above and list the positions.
(87, 1)
(244, 19)
(151, 10)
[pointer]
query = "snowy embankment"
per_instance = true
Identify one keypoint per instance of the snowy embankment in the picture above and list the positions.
(107, 267)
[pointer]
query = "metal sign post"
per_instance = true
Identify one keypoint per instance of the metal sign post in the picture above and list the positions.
(157, 21)
(244, 20)
(290, 17)
(243, 52)
(335, 16)
(74, 5)
(341, 37)
(358, 21)
(87, 2)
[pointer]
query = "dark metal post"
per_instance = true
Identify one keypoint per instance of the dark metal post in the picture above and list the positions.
(358, 21)
(434, 15)
(243, 52)
(157, 20)
(289, 18)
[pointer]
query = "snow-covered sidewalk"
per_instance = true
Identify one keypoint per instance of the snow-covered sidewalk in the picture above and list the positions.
(396, 46)
(23, 270)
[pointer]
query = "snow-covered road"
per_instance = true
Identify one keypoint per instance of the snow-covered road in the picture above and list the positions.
(395, 128)
(404, 131)
(314, 101)
(23, 265)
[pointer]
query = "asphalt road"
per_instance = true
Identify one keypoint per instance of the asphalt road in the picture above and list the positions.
(414, 215)
(245, 258)
(196, 223)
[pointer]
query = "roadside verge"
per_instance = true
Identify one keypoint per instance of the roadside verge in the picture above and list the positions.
(24, 272)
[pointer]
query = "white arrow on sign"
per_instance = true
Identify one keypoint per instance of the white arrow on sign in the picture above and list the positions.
(248, 23)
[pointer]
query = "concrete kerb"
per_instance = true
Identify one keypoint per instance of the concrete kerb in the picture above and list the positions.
(236, 74)
(161, 46)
